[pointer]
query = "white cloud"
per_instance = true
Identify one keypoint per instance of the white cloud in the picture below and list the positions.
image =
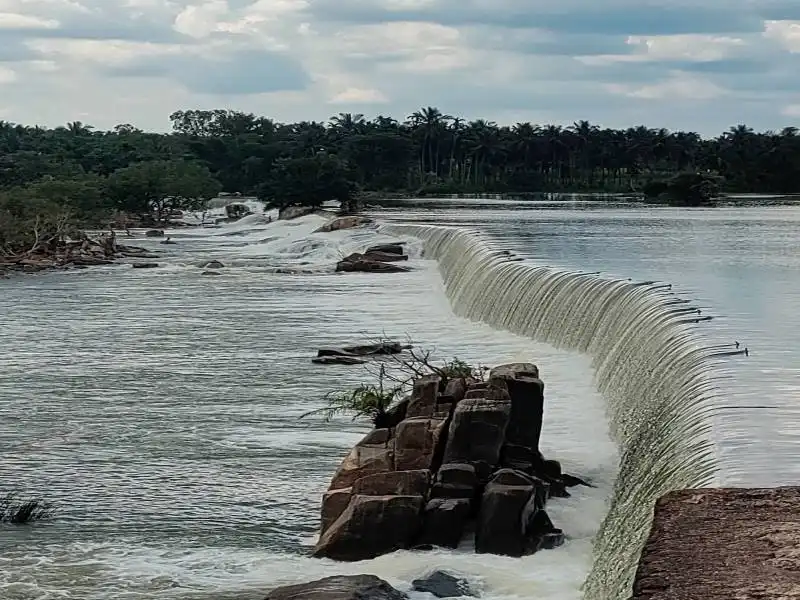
(793, 110)
(10, 20)
(678, 87)
(200, 20)
(359, 96)
(7, 75)
(786, 33)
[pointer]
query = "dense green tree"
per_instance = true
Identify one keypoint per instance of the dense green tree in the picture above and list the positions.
(162, 186)
(308, 181)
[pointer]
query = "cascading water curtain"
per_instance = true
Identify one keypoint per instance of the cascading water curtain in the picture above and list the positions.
(655, 374)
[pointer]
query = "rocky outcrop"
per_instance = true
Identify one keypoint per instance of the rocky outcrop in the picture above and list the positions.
(454, 456)
(347, 222)
(339, 587)
(376, 259)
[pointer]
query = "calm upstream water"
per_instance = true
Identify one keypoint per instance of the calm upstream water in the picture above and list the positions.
(158, 409)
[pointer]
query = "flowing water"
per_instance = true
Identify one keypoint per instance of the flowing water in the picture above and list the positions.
(158, 409)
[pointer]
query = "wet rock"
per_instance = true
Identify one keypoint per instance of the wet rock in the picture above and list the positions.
(527, 402)
(395, 248)
(337, 360)
(371, 526)
(368, 266)
(444, 521)
(423, 396)
(145, 265)
(444, 585)
(477, 431)
(500, 528)
(154, 233)
(381, 349)
(214, 264)
(339, 587)
(456, 389)
(334, 503)
(378, 436)
(210, 273)
(385, 256)
(394, 483)
(458, 481)
(347, 222)
(417, 441)
(168, 241)
(363, 460)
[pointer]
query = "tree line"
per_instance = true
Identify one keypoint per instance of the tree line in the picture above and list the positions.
(92, 173)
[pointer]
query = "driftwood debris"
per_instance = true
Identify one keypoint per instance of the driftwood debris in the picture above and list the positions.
(58, 250)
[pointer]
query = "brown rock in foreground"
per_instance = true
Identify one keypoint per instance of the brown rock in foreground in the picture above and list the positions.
(339, 587)
(723, 544)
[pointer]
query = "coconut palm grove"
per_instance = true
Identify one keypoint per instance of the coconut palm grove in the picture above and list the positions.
(87, 175)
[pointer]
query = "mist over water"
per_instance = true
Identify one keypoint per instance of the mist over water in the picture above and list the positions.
(158, 409)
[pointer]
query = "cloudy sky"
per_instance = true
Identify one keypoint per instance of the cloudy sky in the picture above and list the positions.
(702, 65)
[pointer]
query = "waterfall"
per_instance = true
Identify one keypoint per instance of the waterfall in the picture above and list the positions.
(653, 369)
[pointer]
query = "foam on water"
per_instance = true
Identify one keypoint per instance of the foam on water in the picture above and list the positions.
(163, 425)
(657, 375)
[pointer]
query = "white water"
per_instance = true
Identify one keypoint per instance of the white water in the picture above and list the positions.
(657, 376)
(160, 417)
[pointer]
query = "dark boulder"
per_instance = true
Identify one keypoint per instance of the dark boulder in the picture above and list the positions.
(455, 481)
(394, 483)
(477, 431)
(339, 587)
(456, 389)
(154, 233)
(417, 443)
(500, 528)
(385, 256)
(381, 349)
(368, 266)
(423, 396)
(371, 526)
(395, 248)
(527, 402)
(337, 360)
(444, 585)
(145, 265)
(444, 522)
(334, 503)
(363, 460)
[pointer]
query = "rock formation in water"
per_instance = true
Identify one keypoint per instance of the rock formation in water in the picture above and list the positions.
(347, 222)
(339, 587)
(458, 456)
(375, 259)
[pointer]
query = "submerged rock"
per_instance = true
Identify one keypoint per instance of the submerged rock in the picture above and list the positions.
(145, 265)
(368, 266)
(380, 349)
(443, 585)
(214, 264)
(339, 587)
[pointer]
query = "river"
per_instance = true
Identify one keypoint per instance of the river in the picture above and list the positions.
(157, 410)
